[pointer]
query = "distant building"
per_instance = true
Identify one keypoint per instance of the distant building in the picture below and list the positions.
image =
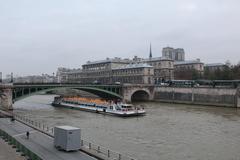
(133, 73)
(163, 68)
(62, 74)
(44, 78)
(174, 54)
(110, 71)
(101, 71)
(188, 69)
(130, 73)
(212, 67)
(106, 64)
(74, 76)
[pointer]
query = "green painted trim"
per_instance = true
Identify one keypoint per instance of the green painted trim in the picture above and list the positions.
(68, 87)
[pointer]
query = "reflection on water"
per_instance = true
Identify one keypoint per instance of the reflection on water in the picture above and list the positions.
(167, 132)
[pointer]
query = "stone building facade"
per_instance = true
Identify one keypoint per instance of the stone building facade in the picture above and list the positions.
(101, 71)
(109, 71)
(174, 54)
(212, 67)
(74, 76)
(63, 74)
(188, 69)
(163, 68)
(134, 73)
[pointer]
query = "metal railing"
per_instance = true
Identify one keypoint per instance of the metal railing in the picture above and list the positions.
(86, 146)
(44, 128)
(103, 152)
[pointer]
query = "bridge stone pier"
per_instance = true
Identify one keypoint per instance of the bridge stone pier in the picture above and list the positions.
(6, 96)
(137, 92)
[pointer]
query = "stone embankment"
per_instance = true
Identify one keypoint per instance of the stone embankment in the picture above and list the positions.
(228, 97)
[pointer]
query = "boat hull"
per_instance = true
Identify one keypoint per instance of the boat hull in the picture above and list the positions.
(98, 110)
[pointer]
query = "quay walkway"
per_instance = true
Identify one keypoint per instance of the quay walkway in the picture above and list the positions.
(39, 143)
(9, 153)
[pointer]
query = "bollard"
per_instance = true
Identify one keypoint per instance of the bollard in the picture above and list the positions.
(98, 149)
(81, 142)
(89, 145)
(119, 157)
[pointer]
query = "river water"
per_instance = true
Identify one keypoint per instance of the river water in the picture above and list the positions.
(167, 132)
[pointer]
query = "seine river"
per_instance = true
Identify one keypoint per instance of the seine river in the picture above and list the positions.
(167, 132)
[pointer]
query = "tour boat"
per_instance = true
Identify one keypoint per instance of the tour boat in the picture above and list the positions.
(99, 106)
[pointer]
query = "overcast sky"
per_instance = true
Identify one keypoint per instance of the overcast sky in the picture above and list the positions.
(37, 36)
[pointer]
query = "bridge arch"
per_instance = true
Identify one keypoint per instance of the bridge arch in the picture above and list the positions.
(27, 92)
(140, 95)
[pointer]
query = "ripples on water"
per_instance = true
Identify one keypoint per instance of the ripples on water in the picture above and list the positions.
(167, 132)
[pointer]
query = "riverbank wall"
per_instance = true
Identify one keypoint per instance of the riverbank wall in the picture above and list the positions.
(227, 97)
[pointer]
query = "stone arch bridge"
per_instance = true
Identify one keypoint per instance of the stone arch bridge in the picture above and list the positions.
(9, 93)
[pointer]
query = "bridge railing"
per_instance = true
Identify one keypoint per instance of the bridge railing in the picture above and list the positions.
(86, 146)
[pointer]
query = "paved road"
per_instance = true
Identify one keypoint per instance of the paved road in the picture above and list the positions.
(39, 143)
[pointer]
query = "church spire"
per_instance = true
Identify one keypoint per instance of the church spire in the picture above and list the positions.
(150, 54)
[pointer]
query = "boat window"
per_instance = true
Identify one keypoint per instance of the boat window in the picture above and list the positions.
(127, 106)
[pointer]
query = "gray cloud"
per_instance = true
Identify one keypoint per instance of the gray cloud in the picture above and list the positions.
(38, 36)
